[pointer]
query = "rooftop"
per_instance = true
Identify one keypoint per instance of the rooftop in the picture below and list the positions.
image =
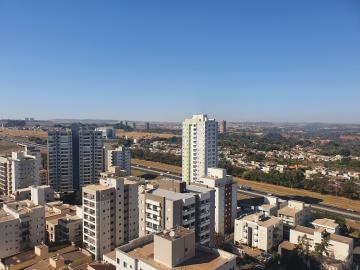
(261, 220)
(171, 195)
(325, 222)
(203, 259)
(175, 233)
(304, 229)
(288, 211)
(96, 187)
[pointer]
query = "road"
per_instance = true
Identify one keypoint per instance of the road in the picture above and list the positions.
(320, 206)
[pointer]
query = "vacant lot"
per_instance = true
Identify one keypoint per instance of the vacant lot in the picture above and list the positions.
(327, 199)
(157, 165)
(23, 133)
(143, 135)
(8, 147)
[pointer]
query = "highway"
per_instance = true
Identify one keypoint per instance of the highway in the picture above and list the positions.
(320, 206)
(177, 176)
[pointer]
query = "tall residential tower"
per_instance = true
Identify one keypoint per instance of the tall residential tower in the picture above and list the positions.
(199, 147)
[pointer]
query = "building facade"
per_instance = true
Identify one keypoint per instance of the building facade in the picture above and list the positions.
(120, 157)
(105, 218)
(258, 231)
(90, 156)
(199, 147)
(222, 127)
(60, 160)
(22, 226)
(339, 247)
(225, 198)
(175, 204)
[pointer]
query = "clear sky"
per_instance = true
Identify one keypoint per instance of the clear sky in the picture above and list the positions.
(166, 60)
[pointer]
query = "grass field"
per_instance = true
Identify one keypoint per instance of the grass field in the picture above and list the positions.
(23, 133)
(326, 199)
(143, 135)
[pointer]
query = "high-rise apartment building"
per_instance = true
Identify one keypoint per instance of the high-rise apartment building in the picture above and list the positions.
(25, 170)
(5, 175)
(109, 215)
(90, 156)
(225, 198)
(60, 160)
(22, 226)
(18, 171)
(175, 204)
(120, 157)
(222, 127)
(199, 147)
(75, 158)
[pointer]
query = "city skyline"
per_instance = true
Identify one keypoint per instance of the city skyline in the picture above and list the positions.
(280, 62)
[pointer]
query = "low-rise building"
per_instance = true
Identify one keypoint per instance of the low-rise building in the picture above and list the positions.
(339, 247)
(22, 226)
(295, 213)
(172, 249)
(259, 231)
(328, 224)
(40, 258)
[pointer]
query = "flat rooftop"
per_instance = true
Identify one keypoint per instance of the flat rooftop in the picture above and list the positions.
(288, 211)
(261, 220)
(202, 259)
(197, 188)
(171, 195)
(4, 216)
(330, 223)
(95, 187)
(175, 233)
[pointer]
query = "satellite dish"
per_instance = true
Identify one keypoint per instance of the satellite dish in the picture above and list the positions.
(172, 234)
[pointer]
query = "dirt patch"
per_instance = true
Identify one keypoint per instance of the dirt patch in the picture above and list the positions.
(8, 147)
(157, 165)
(22, 133)
(143, 135)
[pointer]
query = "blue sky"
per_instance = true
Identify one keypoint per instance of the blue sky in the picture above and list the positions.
(166, 60)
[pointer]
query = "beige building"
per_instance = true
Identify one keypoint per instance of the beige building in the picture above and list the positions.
(54, 211)
(40, 258)
(225, 198)
(328, 224)
(175, 204)
(295, 213)
(22, 226)
(18, 171)
(119, 157)
(340, 247)
(258, 231)
(171, 249)
(109, 211)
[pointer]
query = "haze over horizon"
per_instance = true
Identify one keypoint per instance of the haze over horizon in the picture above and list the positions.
(164, 61)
